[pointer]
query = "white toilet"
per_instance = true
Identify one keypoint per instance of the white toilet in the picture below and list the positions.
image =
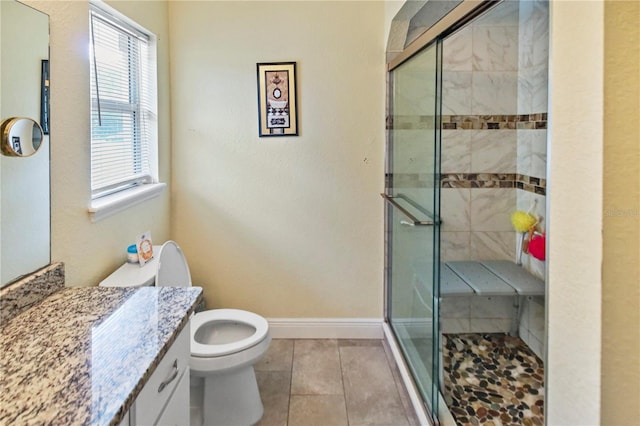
(225, 343)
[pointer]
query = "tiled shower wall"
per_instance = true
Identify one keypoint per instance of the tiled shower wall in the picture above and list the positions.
(532, 149)
(494, 130)
(493, 148)
(532, 99)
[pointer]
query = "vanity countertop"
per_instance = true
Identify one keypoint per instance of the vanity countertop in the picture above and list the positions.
(83, 354)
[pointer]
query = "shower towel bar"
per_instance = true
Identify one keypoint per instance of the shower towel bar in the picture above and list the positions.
(414, 220)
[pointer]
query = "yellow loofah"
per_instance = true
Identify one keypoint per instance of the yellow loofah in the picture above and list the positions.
(522, 221)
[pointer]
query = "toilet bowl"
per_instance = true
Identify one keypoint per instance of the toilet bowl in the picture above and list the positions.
(225, 343)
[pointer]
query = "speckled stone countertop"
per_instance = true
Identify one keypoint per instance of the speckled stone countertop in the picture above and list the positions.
(83, 354)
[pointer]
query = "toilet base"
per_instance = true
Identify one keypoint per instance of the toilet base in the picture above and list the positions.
(232, 399)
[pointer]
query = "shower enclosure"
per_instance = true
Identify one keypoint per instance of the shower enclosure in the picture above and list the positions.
(466, 148)
(412, 200)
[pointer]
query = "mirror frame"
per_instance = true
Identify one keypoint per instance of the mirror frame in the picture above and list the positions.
(9, 133)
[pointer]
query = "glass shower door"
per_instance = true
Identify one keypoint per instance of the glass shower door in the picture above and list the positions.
(412, 200)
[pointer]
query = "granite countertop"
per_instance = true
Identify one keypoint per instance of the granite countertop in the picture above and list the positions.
(83, 354)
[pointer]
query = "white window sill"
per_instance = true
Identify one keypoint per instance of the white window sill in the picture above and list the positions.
(111, 204)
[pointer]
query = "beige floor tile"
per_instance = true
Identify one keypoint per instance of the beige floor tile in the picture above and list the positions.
(370, 390)
(274, 391)
(316, 368)
(195, 398)
(279, 356)
(301, 384)
(359, 342)
(317, 410)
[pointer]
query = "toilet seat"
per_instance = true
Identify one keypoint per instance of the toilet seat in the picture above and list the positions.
(240, 339)
(200, 319)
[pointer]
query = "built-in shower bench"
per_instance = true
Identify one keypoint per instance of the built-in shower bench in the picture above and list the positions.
(490, 278)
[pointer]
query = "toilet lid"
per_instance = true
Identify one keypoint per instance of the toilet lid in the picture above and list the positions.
(172, 269)
(227, 315)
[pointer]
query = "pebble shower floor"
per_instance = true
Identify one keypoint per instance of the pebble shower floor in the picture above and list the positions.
(492, 380)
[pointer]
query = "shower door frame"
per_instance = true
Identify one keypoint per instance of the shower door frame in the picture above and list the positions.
(465, 12)
(432, 222)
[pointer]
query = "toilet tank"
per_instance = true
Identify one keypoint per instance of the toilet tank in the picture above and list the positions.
(134, 275)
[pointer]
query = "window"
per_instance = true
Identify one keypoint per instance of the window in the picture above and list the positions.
(123, 105)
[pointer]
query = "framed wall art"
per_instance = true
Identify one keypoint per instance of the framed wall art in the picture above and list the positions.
(277, 108)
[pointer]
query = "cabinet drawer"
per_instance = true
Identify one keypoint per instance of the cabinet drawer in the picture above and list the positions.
(177, 410)
(157, 391)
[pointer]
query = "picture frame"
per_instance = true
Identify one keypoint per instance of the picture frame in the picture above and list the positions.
(44, 96)
(277, 103)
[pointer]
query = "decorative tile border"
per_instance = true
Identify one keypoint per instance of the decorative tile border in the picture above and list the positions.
(477, 180)
(30, 290)
(469, 122)
(469, 180)
(409, 180)
(494, 122)
(494, 180)
(531, 184)
(410, 122)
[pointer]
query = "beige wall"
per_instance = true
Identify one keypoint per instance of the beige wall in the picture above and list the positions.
(91, 251)
(593, 306)
(620, 271)
(575, 213)
(593, 368)
(284, 226)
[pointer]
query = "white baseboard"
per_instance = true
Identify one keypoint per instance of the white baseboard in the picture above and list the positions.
(326, 328)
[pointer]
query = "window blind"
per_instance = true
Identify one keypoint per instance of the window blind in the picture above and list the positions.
(123, 116)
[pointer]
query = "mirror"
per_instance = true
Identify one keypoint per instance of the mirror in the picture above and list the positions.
(24, 162)
(21, 137)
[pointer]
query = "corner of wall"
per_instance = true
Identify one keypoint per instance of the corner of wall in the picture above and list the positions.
(621, 225)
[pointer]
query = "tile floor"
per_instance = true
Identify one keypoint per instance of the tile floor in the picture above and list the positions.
(492, 379)
(330, 382)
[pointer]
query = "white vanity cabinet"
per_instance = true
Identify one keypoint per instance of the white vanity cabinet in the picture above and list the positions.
(164, 399)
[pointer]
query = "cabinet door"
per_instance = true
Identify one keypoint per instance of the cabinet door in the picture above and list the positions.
(176, 412)
(162, 385)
